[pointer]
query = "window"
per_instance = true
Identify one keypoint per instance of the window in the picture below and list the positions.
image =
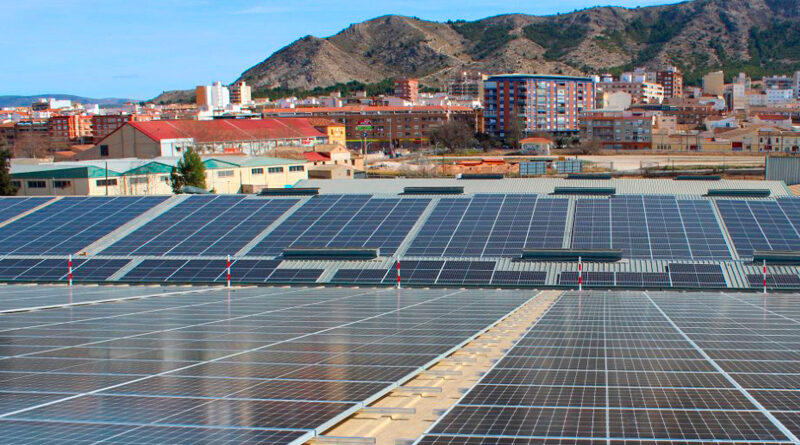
(165, 179)
(257, 171)
(104, 150)
(139, 180)
(17, 184)
(62, 184)
(225, 173)
(37, 184)
(275, 170)
(106, 182)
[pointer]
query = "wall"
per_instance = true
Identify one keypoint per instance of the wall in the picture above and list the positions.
(784, 169)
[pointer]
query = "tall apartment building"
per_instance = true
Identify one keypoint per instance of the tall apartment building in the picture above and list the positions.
(213, 97)
(672, 81)
(466, 86)
(619, 130)
(241, 93)
(407, 88)
(546, 103)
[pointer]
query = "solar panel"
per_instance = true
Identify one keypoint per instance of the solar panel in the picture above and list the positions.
(12, 207)
(360, 276)
(630, 366)
(416, 272)
(51, 230)
(153, 271)
(604, 279)
(758, 225)
(203, 225)
(491, 226)
(229, 364)
(533, 168)
(649, 227)
(519, 278)
(466, 273)
(345, 221)
(295, 275)
(642, 279)
(253, 271)
(774, 281)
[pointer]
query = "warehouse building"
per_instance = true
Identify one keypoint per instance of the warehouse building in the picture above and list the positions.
(122, 177)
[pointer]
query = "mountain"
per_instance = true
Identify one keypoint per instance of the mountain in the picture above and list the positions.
(22, 101)
(756, 36)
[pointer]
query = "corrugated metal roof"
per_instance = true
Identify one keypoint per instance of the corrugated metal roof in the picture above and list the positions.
(542, 185)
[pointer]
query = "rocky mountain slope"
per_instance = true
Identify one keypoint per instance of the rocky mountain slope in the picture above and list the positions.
(755, 35)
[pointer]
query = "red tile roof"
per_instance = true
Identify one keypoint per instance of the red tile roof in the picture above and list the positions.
(536, 140)
(225, 130)
(315, 156)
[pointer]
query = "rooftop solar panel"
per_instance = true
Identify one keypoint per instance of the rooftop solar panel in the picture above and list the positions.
(345, 221)
(51, 230)
(203, 225)
(491, 226)
(758, 225)
(224, 361)
(12, 207)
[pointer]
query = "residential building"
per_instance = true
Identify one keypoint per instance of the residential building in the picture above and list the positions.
(776, 96)
(735, 97)
(641, 92)
(671, 79)
(66, 130)
(115, 177)
(618, 130)
(50, 103)
(544, 103)
(105, 124)
(407, 89)
(253, 137)
(212, 97)
(714, 83)
(391, 127)
(466, 86)
(796, 84)
(778, 83)
(240, 93)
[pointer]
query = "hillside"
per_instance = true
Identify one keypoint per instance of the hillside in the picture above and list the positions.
(757, 36)
(22, 101)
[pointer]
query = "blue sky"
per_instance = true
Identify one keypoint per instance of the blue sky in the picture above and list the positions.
(138, 48)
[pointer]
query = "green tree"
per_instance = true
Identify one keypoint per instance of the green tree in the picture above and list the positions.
(6, 188)
(190, 171)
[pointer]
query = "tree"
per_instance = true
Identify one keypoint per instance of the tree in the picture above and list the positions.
(516, 131)
(6, 188)
(452, 135)
(190, 171)
(32, 145)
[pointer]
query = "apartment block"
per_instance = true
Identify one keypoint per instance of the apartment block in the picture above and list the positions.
(407, 89)
(545, 103)
(623, 130)
(671, 80)
(641, 92)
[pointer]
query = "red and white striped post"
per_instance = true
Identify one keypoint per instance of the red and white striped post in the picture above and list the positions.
(765, 277)
(69, 272)
(398, 274)
(580, 274)
(228, 271)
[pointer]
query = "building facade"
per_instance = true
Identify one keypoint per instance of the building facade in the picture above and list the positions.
(387, 126)
(640, 92)
(671, 80)
(407, 88)
(120, 177)
(618, 130)
(544, 103)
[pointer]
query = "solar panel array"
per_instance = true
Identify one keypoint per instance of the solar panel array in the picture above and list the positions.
(761, 224)
(11, 207)
(622, 366)
(38, 269)
(203, 225)
(70, 224)
(258, 365)
(345, 221)
(650, 227)
(491, 226)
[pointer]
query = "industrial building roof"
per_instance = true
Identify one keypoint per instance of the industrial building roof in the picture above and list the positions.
(545, 185)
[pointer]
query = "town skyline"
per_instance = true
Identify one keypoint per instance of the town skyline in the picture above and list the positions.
(164, 46)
